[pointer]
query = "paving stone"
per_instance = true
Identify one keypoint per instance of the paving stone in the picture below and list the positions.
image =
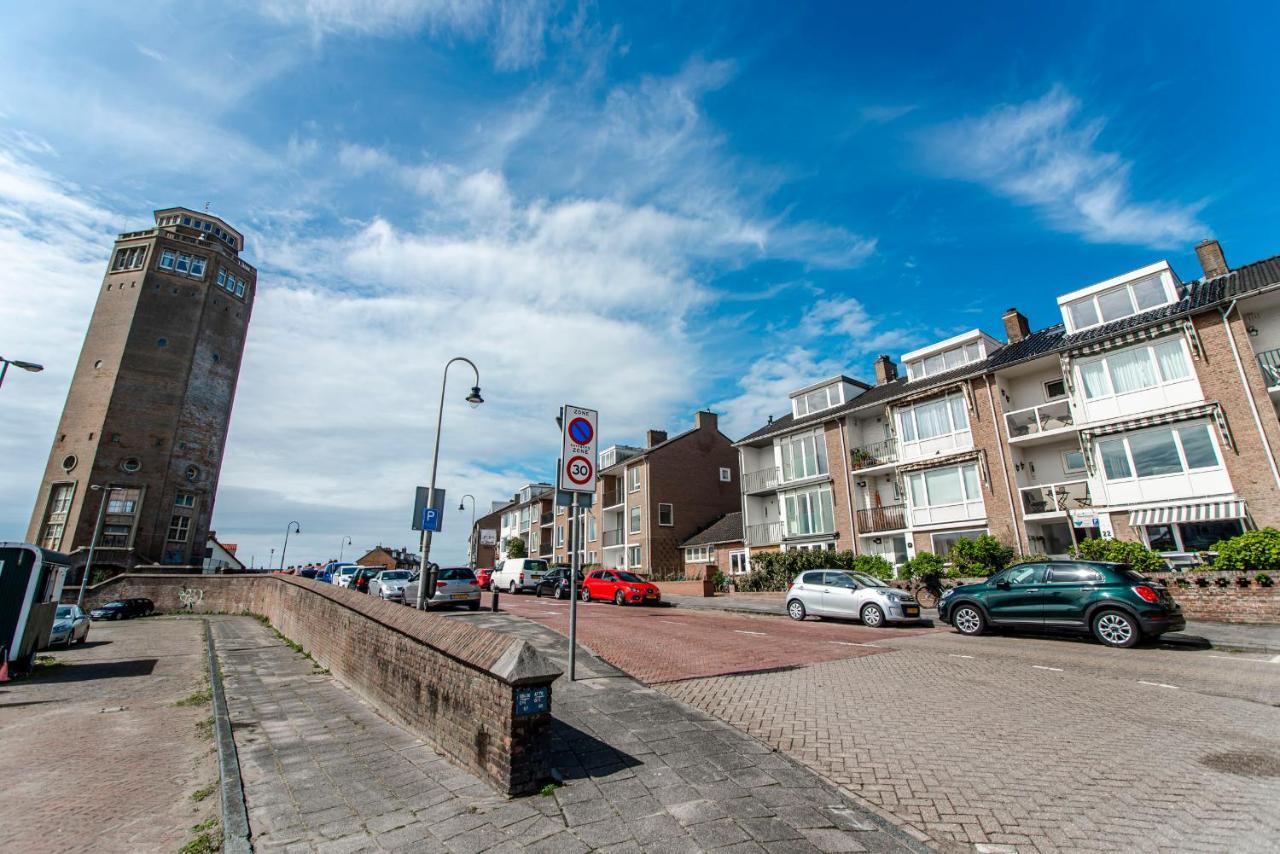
(718, 833)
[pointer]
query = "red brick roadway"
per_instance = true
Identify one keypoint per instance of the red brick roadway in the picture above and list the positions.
(658, 644)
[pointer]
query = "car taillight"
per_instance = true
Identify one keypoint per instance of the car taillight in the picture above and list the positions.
(439, 584)
(522, 578)
(1147, 594)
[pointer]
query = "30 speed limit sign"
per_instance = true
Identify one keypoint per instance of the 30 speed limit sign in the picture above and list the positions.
(579, 455)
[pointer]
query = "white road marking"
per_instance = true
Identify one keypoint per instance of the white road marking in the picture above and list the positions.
(1275, 660)
(1042, 667)
(954, 655)
(851, 643)
(671, 622)
(744, 632)
(1157, 685)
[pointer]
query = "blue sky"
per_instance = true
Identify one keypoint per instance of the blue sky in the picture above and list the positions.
(643, 208)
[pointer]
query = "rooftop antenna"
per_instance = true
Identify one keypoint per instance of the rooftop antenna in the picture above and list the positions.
(206, 207)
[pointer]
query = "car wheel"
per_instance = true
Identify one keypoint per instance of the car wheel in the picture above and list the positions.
(619, 599)
(511, 588)
(968, 620)
(872, 616)
(795, 609)
(474, 606)
(84, 639)
(585, 595)
(1116, 628)
(537, 592)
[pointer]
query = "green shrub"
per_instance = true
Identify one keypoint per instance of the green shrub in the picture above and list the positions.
(921, 566)
(1136, 555)
(516, 548)
(874, 565)
(1255, 551)
(981, 556)
(1029, 559)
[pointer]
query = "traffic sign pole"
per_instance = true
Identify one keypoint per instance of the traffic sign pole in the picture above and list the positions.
(575, 568)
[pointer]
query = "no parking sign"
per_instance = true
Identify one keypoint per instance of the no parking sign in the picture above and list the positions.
(578, 459)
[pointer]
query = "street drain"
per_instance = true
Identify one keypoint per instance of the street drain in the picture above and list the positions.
(1244, 763)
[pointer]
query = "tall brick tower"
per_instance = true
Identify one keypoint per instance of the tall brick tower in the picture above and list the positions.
(150, 402)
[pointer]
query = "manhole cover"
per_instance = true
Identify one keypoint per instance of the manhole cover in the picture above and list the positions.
(1245, 763)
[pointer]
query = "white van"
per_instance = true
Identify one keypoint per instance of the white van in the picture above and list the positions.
(517, 574)
(342, 574)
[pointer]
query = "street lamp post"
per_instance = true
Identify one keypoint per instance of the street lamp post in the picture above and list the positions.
(427, 579)
(291, 526)
(471, 546)
(97, 532)
(346, 541)
(26, 366)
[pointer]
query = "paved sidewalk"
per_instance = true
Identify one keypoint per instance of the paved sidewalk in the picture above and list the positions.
(1199, 633)
(642, 772)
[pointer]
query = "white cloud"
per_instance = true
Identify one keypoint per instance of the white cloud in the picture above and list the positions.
(1044, 153)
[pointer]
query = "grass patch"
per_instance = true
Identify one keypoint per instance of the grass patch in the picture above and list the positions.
(46, 663)
(548, 790)
(204, 728)
(296, 647)
(206, 842)
(203, 697)
(205, 825)
(200, 794)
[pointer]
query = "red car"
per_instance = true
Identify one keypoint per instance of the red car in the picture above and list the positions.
(620, 586)
(482, 577)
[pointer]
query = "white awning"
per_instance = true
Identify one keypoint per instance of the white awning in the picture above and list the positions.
(1209, 511)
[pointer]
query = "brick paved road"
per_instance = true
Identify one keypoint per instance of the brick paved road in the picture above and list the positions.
(1003, 743)
(667, 644)
(94, 755)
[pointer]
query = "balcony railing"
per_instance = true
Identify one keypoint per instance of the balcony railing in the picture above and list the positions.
(891, 517)
(1055, 497)
(548, 518)
(616, 537)
(613, 498)
(1269, 362)
(764, 534)
(544, 550)
(875, 454)
(1039, 419)
(758, 481)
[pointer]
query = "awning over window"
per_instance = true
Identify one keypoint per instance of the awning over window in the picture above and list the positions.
(1124, 339)
(1209, 511)
(1205, 410)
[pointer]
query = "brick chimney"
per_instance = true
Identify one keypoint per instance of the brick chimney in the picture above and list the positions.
(886, 370)
(1015, 326)
(1212, 260)
(705, 420)
(654, 437)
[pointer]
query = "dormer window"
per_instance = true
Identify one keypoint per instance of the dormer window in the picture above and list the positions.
(817, 401)
(1145, 289)
(947, 356)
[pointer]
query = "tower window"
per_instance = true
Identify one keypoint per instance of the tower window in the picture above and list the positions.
(123, 502)
(115, 536)
(131, 465)
(69, 462)
(162, 343)
(179, 528)
(193, 473)
(167, 259)
(184, 499)
(129, 258)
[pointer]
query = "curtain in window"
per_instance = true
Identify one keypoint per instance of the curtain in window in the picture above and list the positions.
(1095, 380)
(1115, 463)
(907, 425)
(1172, 360)
(917, 491)
(1131, 370)
(826, 512)
(1197, 446)
(1155, 453)
(943, 486)
(970, 473)
(959, 412)
(932, 420)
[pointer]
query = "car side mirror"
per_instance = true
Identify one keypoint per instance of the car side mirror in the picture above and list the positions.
(1003, 585)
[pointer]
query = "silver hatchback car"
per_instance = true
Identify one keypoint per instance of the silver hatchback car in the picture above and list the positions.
(856, 595)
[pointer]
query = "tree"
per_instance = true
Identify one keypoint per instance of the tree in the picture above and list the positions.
(984, 555)
(1252, 550)
(515, 547)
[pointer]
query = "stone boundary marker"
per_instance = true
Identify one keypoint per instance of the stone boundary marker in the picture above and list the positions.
(235, 815)
(481, 698)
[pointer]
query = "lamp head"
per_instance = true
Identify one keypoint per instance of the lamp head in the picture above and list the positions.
(474, 398)
(28, 366)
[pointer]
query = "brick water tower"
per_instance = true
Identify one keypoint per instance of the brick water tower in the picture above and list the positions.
(146, 418)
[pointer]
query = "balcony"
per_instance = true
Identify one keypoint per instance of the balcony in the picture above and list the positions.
(616, 537)
(762, 480)
(614, 498)
(891, 517)
(1269, 363)
(764, 534)
(548, 518)
(1055, 499)
(1036, 420)
(544, 550)
(875, 454)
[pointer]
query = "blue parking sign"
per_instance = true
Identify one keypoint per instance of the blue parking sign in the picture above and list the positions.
(430, 519)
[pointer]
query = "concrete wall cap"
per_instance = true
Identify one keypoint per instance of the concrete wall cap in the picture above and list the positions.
(522, 664)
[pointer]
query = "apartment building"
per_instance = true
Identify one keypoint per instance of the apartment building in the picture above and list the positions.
(650, 499)
(720, 546)
(1148, 413)
(529, 518)
(483, 542)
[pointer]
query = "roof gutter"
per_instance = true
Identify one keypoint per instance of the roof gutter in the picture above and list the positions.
(1248, 392)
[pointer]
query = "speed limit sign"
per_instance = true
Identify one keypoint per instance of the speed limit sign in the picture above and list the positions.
(579, 456)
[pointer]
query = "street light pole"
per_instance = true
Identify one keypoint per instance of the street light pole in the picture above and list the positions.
(346, 541)
(427, 579)
(287, 528)
(97, 532)
(26, 366)
(472, 548)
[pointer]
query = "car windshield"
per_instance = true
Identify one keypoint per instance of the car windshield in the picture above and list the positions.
(116, 604)
(462, 574)
(866, 580)
(628, 576)
(396, 575)
(65, 612)
(535, 565)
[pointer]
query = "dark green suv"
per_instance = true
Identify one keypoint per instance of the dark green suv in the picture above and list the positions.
(1118, 605)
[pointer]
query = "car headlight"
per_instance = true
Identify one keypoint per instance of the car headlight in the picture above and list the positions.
(946, 593)
(636, 589)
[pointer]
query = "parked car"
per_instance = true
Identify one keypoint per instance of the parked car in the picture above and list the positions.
(455, 585)
(483, 575)
(70, 625)
(123, 609)
(1115, 603)
(308, 572)
(342, 573)
(620, 586)
(389, 584)
(856, 595)
(363, 575)
(518, 574)
(555, 583)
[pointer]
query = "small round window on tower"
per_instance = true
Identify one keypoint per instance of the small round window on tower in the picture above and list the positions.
(162, 342)
(131, 465)
(193, 473)
(69, 462)
(98, 364)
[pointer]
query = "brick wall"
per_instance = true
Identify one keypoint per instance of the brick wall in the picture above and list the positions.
(838, 465)
(988, 438)
(1230, 604)
(447, 681)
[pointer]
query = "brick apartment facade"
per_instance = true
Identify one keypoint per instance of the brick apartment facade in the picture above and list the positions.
(482, 544)
(146, 416)
(717, 548)
(390, 558)
(529, 518)
(1149, 413)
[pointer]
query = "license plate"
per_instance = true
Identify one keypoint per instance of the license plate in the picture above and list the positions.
(461, 596)
(911, 612)
(651, 595)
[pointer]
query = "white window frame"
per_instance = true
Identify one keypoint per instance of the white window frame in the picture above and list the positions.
(1066, 467)
(592, 533)
(179, 529)
(698, 554)
(1048, 398)
(1128, 287)
(52, 535)
(1148, 348)
(61, 496)
(966, 533)
(726, 474)
(909, 429)
(635, 520)
(1173, 428)
(168, 259)
(833, 396)
(787, 446)
(671, 514)
(966, 497)
(633, 479)
(815, 509)
(1175, 528)
(559, 536)
(635, 557)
